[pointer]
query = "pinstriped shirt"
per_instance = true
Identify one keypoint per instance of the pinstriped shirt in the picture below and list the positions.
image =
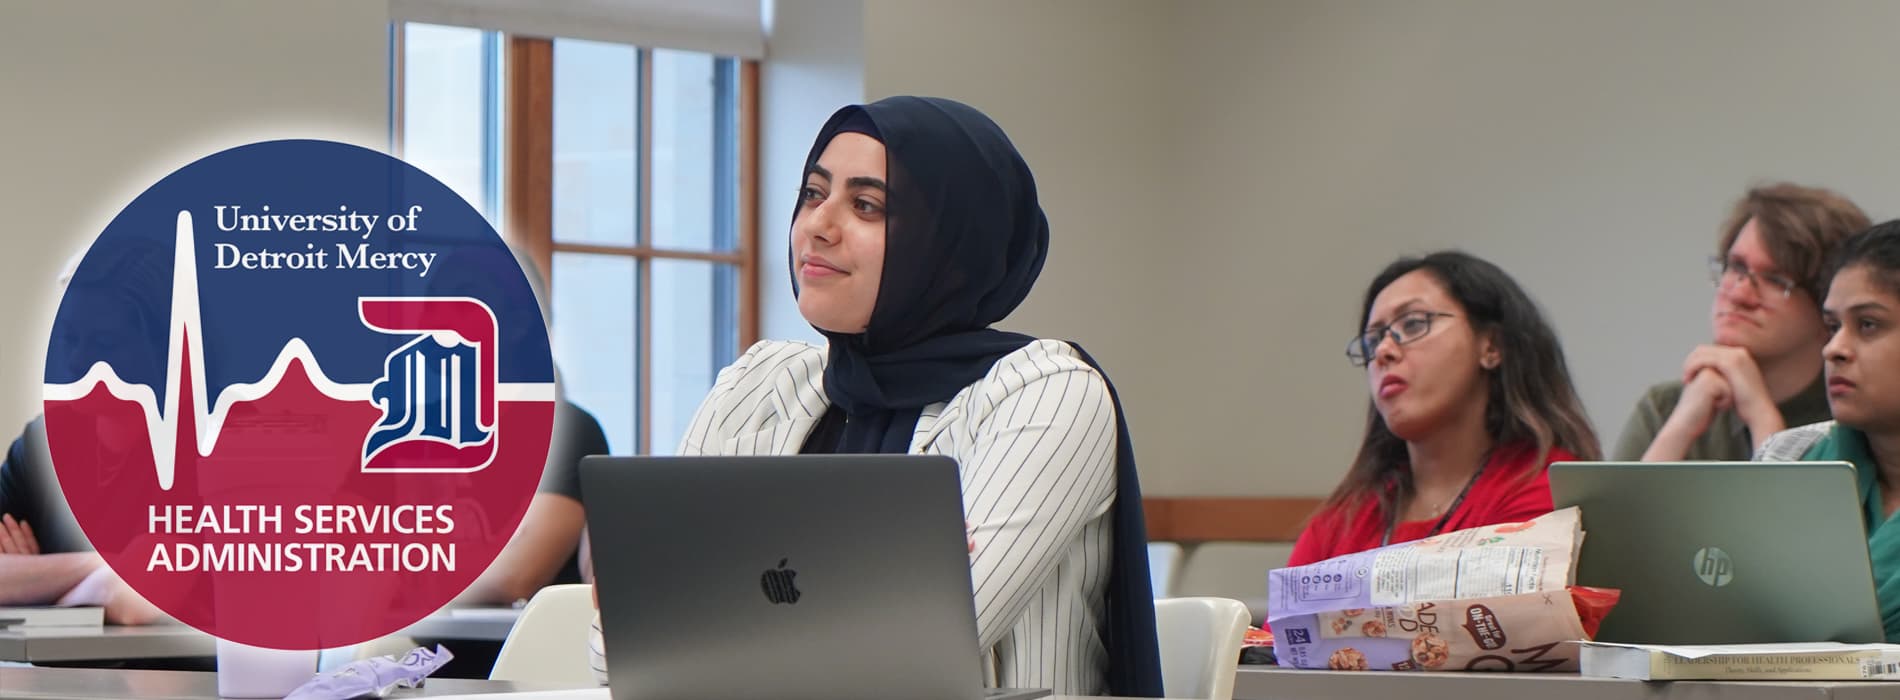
(1792, 445)
(1035, 443)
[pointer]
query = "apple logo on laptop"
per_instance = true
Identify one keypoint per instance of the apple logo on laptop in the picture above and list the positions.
(1714, 567)
(778, 584)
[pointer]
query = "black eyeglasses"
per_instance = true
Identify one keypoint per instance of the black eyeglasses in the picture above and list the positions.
(1404, 329)
(1767, 285)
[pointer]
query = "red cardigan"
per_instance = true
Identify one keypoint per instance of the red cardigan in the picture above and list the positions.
(1504, 493)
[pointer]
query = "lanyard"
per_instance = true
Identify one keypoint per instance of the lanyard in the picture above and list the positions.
(1392, 518)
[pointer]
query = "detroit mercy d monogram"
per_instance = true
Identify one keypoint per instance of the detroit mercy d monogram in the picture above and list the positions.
(298, 394)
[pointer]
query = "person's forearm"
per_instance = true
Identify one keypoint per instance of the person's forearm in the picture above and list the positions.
(1763, 422)
(41, 579)
(533, 556)
(1758, 434)
(1671, 444)
(500, 585)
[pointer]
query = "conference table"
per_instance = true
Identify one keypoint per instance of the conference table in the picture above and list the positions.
(90, 684)
(1251, 683)
(102, 643)
(481, 623)
(174, 641)
(1272, 683)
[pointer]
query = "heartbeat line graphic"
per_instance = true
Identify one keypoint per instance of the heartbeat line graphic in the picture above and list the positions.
(185, 376)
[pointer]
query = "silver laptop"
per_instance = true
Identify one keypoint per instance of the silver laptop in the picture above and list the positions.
(820, 577)
(1724, 552)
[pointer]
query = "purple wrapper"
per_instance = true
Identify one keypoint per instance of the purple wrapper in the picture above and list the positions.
(374, 677)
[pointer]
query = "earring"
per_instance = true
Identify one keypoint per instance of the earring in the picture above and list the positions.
(1489, 363)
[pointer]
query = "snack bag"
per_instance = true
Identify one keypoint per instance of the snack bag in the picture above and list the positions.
(1527, 632)
(1256, 647)
(1488, 598)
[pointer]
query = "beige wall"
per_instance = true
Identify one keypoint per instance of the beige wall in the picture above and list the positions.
(1072, 83)
(104, 98)
(1224, 177)
(1591, 149)
(816, 66)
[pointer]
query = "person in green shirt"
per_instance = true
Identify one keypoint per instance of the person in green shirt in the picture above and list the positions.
(1761, 372)
(1862, 370)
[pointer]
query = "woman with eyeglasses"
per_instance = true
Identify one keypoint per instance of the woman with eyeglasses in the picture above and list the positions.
(1471, 400)
(1761, 372)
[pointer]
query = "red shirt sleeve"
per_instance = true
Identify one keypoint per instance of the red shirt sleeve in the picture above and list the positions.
(1330, 534)
(1526, 499)
(1315, 539)
(1320, 540)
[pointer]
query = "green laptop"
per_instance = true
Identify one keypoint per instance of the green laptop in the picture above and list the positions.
(1724, 552)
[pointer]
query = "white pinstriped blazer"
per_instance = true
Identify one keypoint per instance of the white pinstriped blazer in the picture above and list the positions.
(1035, 441)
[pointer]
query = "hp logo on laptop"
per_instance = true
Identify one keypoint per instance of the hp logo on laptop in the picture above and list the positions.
(1713, 566)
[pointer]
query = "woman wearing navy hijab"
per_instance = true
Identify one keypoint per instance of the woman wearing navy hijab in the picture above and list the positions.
(917, 228)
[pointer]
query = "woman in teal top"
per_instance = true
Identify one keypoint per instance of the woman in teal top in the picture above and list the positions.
(1862, 315)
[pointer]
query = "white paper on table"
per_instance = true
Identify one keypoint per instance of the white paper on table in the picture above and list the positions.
(1697, 651)
(480, 614)
(584, 694)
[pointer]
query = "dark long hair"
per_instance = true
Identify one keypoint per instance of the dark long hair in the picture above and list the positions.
(1877, 249)
(1531, 399)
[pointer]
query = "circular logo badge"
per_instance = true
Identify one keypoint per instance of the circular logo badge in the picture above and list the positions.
(298, 394)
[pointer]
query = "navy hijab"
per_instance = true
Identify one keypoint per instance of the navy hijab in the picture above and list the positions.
(965, 239)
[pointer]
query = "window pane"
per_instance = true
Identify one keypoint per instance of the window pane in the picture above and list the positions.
(596, 142)
(595, 341)
(695, 171)
(695, 333)
(444, 69)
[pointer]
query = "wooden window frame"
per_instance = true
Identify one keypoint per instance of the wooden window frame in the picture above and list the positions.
(529, 198)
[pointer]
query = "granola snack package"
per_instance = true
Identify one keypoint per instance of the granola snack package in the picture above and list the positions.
(1496, 597)
(1527, 632)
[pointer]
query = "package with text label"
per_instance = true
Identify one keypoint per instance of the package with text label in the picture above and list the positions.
(1492, 598)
